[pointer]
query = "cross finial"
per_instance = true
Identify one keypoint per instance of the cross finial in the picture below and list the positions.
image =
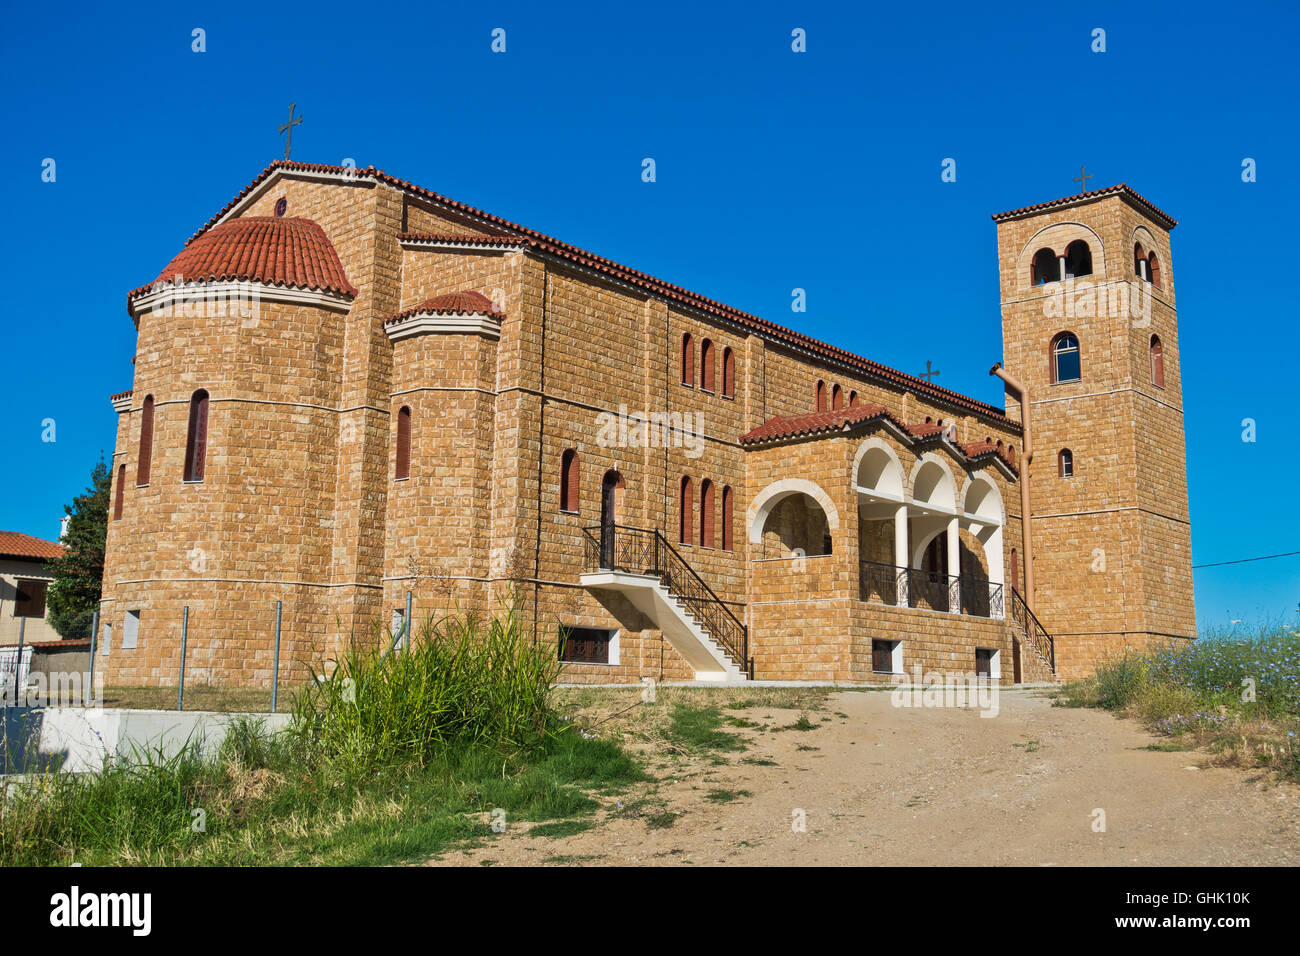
(928, 374)
(288, 128)
(1082, 180)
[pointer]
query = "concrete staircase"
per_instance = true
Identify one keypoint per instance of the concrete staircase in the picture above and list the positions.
(1037, 647)
(638, 568)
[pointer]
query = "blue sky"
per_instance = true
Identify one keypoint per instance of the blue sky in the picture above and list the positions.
(775, 170)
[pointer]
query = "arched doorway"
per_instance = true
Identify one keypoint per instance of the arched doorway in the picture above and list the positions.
(609, 486)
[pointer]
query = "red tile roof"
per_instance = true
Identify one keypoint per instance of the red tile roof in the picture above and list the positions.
(820, 423)
(280, 251)
(15, 544)
(1142, 204)
(465, 302)
(813, 423)
(546, 244)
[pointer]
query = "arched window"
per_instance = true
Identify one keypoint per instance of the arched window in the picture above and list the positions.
(1011, 454)
(1066, 364)
(837, 398)
(685, 506)
(688, 360)
(403, 443)
(1078, 259)
(570, 481)
(706, 513)
(853, 399)
(121, 485)
(1153, 270)
(1157, 362)
(145, 462)
(728, 373)
(821, 396)
(728, 516)
(1139, 261)
(196, 442)
(1065, 463)
(706, 365)
(1046, 267)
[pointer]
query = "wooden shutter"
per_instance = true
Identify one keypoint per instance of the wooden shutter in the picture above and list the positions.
(117, 495)
(196, 448)
(404, 443)
(728, 373)
(30, 598)
(1157, 362)
(688, 360)
(570, 481)
(706, 365)
(821, 397)
(983, 662)
(881, 656)
(143, 466)
(685, 505)
(706, 513)
(728, 540)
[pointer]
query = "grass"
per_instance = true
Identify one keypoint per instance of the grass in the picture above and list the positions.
(726, 796)
(388, 759)
(697, 728)
(1235, 695)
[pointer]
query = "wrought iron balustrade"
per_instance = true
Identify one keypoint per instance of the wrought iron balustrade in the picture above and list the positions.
(643, 551)
(1035, 633)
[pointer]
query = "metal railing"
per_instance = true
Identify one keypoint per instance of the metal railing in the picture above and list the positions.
(643, 551)
(916, 587)
(1033, 630)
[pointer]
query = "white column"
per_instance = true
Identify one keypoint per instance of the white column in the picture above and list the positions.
(997, 578)
(1061, 260)
(954, 561)
(900, 551)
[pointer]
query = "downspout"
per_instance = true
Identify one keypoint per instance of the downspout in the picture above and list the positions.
(1028, 456)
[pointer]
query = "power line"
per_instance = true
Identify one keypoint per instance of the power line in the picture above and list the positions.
(1266, 557)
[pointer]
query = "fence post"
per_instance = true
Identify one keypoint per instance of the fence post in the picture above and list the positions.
(90, 678)
(406, 639)
(275, 668)
(18, 662)
(185, 633)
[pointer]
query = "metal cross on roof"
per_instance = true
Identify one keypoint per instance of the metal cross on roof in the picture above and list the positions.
(928, 374)
(1082, 180)
(288, 128)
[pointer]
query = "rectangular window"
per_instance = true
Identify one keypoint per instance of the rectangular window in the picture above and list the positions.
(108, 640)
(130, 629)
(987, 662)
(887, 657)
(589, 645)
(30, 599)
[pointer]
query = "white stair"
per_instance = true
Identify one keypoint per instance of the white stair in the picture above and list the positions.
(652, 599)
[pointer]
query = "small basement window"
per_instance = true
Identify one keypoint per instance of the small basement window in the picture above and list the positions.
(130, 629)
(988, 662)
(887, 657)
(588, 645)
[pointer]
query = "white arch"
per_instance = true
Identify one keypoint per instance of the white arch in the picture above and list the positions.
(982, 498)
(1056, 237)
(932, 484)
(778, 491)
(878, 464)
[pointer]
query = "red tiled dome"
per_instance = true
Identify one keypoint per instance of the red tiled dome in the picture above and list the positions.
(465, 302)
(280, 251)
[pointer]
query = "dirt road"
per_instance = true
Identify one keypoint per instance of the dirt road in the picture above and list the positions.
(878, 784)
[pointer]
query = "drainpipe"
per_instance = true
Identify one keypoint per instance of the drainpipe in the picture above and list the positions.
(1027, 457)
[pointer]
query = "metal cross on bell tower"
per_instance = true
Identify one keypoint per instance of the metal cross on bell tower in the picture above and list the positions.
(288, 128)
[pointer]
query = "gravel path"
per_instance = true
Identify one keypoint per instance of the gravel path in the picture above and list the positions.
(879, 784)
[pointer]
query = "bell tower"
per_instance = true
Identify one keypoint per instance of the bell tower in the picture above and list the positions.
(1090, 329)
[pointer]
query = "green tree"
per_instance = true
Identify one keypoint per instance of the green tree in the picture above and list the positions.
(79, 574)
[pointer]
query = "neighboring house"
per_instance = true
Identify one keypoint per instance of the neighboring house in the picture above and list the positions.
(24, 579)
(351, 393)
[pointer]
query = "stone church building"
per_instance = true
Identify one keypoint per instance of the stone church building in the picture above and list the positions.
(363, 400)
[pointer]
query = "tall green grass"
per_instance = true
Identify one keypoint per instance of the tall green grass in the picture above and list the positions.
(463, 681)
(390, 756)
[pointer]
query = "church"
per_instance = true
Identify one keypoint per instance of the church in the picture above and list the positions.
(357, 402)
